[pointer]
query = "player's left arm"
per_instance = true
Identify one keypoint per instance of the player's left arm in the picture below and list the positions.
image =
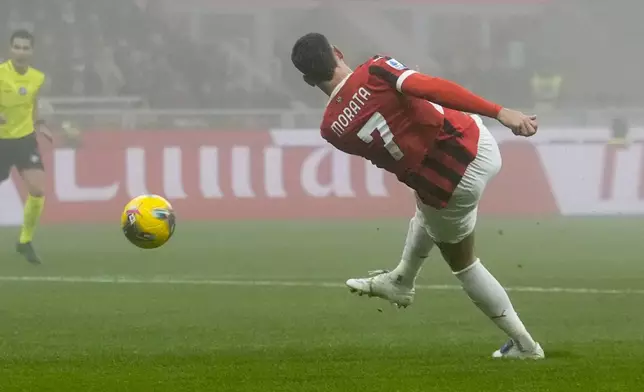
(453, 96)
(39, 123)
(70, 133)
(445, 93)
(450, 95)
(441, 91)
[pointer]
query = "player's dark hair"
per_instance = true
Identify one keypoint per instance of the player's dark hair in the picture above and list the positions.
(313, 55)
(22, 34)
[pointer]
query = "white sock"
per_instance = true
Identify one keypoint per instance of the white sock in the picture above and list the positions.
(488, 294)
(418, 244)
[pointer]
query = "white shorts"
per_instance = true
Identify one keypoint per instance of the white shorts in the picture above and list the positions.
(457, 220)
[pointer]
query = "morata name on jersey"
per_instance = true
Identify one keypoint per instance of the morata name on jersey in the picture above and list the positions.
(350, 111)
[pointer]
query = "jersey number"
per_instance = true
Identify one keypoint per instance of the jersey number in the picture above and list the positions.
(378, 123)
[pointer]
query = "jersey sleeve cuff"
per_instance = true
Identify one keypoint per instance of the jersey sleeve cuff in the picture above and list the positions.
(402, 78)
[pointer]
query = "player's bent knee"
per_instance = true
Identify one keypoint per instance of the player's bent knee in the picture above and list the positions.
(36, 190)
(37, 193)
(458, 255)
(34, 181)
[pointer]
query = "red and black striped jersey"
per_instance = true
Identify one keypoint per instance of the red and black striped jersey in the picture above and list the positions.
(407, 123)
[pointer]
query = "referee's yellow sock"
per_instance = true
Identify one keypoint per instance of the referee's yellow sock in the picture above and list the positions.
(33, 210)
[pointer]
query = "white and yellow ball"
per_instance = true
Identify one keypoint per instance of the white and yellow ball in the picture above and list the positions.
(148, 221)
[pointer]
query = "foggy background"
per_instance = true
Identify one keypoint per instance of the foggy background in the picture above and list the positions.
(197, 101)
(231, 58)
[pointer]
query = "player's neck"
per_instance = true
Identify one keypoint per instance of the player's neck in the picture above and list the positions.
(339, 75)
(21, 69)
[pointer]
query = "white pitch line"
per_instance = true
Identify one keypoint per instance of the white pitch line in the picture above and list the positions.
(283, 283)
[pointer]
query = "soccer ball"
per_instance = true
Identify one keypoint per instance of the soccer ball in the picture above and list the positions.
(148, 221)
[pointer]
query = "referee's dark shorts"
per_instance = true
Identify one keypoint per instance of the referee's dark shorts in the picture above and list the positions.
(23, 153)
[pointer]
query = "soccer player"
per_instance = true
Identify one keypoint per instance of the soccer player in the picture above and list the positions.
(19, 87)
(418, 128)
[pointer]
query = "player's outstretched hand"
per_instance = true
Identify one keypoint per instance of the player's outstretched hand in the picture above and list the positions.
(520, 124)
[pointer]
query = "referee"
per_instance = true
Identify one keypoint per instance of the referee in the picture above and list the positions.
(19, 87)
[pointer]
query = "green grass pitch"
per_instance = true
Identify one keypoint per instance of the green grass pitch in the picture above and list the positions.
(260, 307)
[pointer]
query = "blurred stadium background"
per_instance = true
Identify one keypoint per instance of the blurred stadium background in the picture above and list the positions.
(197, 100)
(220, 55)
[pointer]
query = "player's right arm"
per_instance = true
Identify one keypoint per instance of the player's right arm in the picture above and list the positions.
(449, 94)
